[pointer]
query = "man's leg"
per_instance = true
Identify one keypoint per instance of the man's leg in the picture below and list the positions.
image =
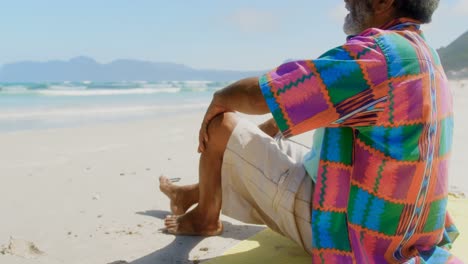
(204, 218)
(183, 197)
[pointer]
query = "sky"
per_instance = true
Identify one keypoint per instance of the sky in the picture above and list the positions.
(204, 34)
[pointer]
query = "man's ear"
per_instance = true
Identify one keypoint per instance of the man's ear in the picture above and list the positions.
(382, 6)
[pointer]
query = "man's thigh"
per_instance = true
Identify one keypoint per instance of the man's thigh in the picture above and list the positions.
(264, 182)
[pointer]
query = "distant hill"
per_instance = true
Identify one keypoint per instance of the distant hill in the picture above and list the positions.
(85, 68)
(455, 57)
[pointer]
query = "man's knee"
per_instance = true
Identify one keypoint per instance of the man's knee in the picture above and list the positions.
(220, 130)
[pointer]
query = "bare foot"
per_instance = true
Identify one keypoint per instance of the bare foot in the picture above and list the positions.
(192, 224)
(180, 201)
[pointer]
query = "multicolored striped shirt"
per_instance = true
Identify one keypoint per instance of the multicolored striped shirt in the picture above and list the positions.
(386, 109)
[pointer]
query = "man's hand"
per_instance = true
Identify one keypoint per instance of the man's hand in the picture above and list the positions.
(213, 110)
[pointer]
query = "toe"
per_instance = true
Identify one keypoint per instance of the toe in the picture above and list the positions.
(172, 225)
(170, 219)
(172, 230)
(162, 180)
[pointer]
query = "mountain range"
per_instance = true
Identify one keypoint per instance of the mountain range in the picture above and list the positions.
(454, 57)
(87, 69)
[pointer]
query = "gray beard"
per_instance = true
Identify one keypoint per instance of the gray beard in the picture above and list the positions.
(356, 20)
(351, 27)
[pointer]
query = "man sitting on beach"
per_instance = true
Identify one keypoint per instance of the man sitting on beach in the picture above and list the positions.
(373, 189)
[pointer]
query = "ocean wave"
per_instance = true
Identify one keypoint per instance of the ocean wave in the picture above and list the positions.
(14, 89)
(66, 87)
(87, 88)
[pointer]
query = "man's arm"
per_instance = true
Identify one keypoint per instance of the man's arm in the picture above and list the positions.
(242, 96)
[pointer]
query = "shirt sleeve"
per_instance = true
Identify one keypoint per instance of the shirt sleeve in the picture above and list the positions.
(344, 87)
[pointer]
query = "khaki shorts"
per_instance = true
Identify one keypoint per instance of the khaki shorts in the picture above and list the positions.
(264, 182)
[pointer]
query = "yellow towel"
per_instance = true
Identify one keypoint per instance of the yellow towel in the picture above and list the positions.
(267, 247)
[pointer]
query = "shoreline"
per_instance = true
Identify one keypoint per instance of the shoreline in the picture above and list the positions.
(12, 125)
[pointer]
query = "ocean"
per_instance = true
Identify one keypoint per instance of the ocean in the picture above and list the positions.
(30, 106)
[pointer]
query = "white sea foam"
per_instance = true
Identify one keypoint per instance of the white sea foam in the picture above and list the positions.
(158, 86)
(102, 92)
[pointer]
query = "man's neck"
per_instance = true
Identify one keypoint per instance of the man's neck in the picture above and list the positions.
(380, 22)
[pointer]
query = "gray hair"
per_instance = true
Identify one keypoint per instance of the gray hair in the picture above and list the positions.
(421, 10)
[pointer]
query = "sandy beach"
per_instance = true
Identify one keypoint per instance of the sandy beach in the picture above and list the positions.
(90, 194)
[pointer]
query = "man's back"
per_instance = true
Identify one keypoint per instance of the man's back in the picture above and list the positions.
(381, 185)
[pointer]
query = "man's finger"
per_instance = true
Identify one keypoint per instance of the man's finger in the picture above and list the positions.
(204, 131)
(201, 141)
(200, 146)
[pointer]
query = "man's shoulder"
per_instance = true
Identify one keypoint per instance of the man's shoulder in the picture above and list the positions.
(394, 45)
(363, 46)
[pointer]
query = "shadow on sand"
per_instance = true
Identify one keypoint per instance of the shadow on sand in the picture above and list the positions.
(264, 247)
(178, 251)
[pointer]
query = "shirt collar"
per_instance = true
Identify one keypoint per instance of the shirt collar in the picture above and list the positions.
(396, 24)
(401, 23)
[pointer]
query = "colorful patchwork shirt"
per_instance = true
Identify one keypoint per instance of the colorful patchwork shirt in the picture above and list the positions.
(385, 109)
